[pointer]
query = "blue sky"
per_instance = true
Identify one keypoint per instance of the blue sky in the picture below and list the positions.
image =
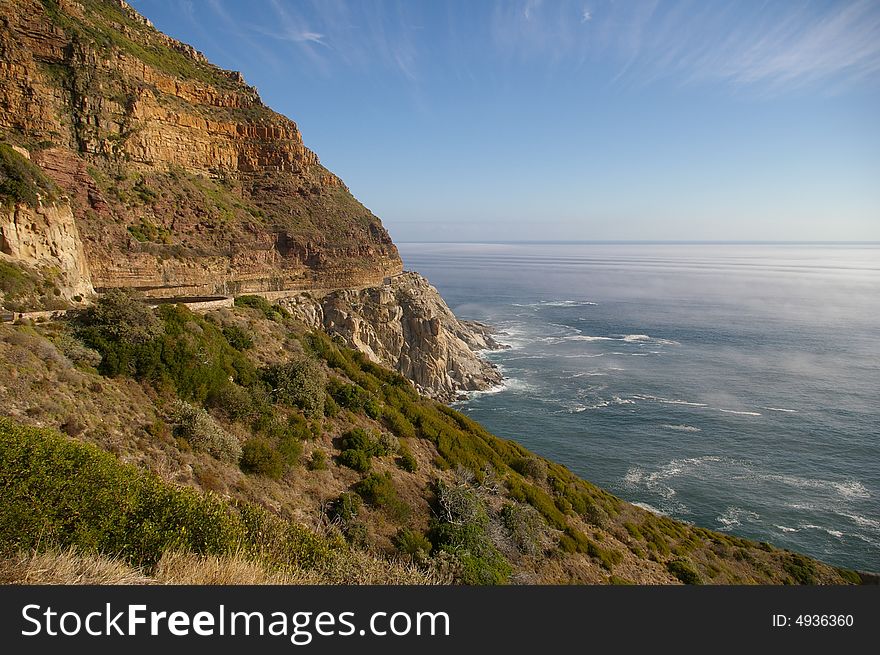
(579, 120)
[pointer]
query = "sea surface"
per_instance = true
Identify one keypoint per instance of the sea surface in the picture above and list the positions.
(733, 386)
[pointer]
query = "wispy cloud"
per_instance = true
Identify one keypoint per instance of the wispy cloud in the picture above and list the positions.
(774, 46)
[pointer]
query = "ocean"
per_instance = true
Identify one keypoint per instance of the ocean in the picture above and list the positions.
(733, 386)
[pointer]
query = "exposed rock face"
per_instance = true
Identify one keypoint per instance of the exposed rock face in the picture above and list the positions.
(406, 325)
(182, 182)
(46, 238)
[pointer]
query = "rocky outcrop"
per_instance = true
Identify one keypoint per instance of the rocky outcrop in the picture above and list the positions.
(182, 181)
(406, 325)
(45, 238)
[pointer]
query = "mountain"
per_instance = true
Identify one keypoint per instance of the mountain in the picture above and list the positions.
(181, 181)
(293, 434)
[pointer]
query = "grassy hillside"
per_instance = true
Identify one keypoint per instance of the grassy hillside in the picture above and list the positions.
(244, 408)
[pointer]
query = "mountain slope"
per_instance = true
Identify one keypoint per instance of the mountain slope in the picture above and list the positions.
(181, 181)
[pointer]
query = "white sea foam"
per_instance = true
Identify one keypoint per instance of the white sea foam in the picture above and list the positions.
(848, 489)
(833, 533)
(738, 412)
(650, 508)
(780, 409)
(785, 529)
(667, 401)
(863, 522)
(625, 338)
(733, 516)
(681, 428)
(556, 303)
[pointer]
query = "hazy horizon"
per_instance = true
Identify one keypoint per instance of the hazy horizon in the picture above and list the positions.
(573, 120)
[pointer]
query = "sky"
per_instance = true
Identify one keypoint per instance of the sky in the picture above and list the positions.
(588, 120)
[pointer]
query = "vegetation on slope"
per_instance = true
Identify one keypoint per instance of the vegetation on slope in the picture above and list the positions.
(21, 181)
(248, 403)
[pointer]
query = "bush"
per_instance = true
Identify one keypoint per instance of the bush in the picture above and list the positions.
(406, 460)
(531, 467)
(118, 317)
(164, 355)
(801, 568)
(238, 337)
(526, 527)
(23, 181)
(234, 401)
(58, 493)
(355, 459)
(357, 439)
(78, 353)
(290, 448)
(272, 312)
(346, 508)
(298, 384)
(202, 432)
(684, 571)
(412, 543)
(377, 489)
(259, 457)
(318, 461)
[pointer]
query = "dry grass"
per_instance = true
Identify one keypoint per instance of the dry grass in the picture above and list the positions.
(71, 567)
(67, 567)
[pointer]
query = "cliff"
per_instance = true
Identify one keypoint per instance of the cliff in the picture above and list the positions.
(180, 180)
(407, 326)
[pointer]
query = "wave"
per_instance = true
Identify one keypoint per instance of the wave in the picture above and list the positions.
(667, 401)
(738, 412)
(556, 303)
(734, 516)
(650, 508)
(625, 338)
(780, 409)
(847, 489)
(862, 521)
(785, 529)
(833, 533)
(681, 428)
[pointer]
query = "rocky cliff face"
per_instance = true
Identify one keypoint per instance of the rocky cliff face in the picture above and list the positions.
(406, 325)
(45, 238)
(181, 181)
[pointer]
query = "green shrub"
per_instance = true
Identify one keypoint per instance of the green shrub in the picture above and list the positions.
(60, 493)
(406, 460)
(120, 318)
(290, 448)
(355, 459)
(412, 543)
(22, 181)
(331, 409)
(684, 571)
(357, 439)
(800, 568)
(270, 311)
(259, 457)
(526, 527)
(479, 561)
(397, 423)
(238, 337)
(345, 508)
(202, 432)
(236, 402)
(298, 384)
(531, 467)
(318, 461)
(164, 352)
(377, 489)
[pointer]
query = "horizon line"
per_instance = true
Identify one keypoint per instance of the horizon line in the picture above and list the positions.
(647, 242)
